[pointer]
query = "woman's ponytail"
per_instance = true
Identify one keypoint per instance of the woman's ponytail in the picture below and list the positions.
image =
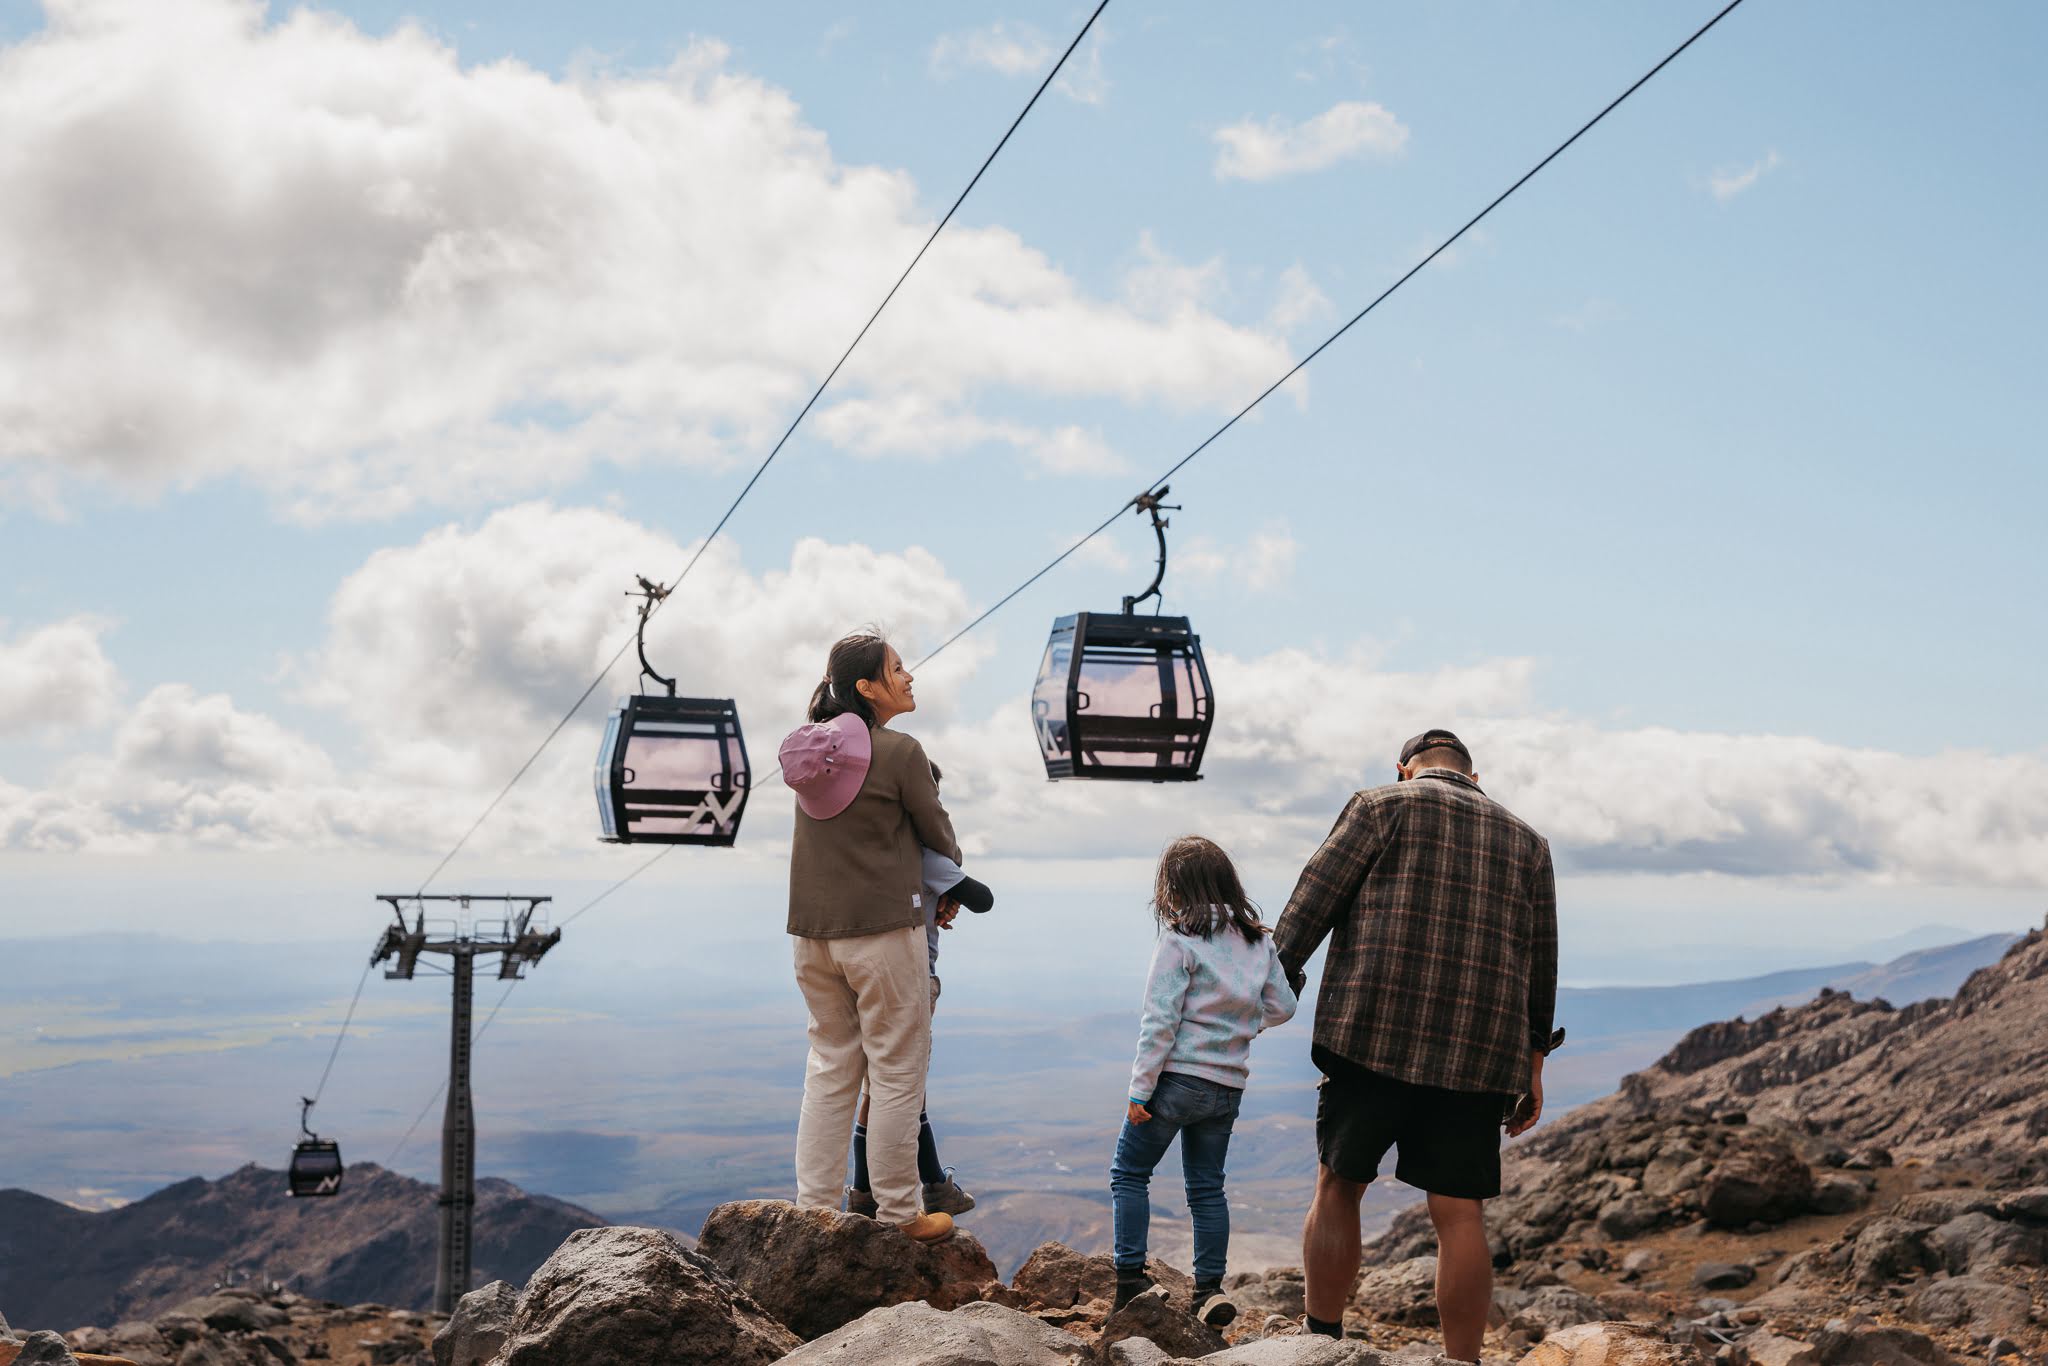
(858, 656)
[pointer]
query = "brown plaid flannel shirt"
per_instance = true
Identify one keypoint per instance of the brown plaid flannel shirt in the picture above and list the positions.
(1441, 910)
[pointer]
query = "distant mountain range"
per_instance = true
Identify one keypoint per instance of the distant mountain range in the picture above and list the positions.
(62, 1267)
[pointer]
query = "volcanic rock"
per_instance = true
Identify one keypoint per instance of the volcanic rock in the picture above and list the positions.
(1301, 1349)
(1154, 1316)
(478, 1328)
(1766, 1348)
(1058, 1277)
(916, 1334)
(1404, 1293)
(1722, 1276)
(1866, 1345)
(1276, 1290)
(1611, 1344)
(633, 1296)
(1971, 1302)
(1761, 1180)
(817, 1269)
(1889, 1249)
(45, 1349)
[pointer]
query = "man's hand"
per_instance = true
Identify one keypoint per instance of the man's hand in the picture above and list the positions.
(1137, 1114)
(1530, 1108)
(949, 911)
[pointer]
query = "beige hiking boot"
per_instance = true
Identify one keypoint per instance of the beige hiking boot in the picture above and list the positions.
(929, 1228)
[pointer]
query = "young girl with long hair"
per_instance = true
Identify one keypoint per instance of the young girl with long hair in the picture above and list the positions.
(1215, 983)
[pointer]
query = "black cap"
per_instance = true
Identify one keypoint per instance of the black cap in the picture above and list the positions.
(1434, 739)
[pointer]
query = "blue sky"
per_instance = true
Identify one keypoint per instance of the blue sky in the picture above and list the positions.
(1727, 426)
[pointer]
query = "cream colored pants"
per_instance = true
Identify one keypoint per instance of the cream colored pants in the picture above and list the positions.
(871, 1020)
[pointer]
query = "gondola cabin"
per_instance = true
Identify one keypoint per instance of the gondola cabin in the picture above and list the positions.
(1122, 695)
(672, 770)
(316, 1168)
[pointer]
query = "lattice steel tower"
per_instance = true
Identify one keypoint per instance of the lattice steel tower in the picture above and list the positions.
(517, 941)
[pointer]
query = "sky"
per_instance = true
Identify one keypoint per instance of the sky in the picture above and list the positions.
(354, 357)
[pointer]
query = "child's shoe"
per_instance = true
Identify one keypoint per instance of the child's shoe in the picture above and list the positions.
(1129, 1285)
(946, 1197)
(1212, 1306)
(860, 1202)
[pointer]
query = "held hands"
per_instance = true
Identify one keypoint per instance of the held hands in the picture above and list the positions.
(949, 911)
(1137, 1114)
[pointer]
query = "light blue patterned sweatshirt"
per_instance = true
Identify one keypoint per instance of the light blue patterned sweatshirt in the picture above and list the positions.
(1205, 1002)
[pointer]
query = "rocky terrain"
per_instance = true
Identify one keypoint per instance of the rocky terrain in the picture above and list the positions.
(1837, 1184)
(374, 1241)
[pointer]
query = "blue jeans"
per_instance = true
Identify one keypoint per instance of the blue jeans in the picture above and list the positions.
(1201, 1112)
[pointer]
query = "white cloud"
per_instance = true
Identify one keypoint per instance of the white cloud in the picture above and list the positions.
(916, 424)
(1004, 48)
(1731, 181)
(1263, 562)
(55, 677)
(450, 657)
(352, 271)
(1253, 149)
(1299, 301)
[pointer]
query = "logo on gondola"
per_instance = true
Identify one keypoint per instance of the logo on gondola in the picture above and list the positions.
(328, 1185)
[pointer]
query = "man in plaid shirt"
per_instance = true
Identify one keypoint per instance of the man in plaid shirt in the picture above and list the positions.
(1434, 1017)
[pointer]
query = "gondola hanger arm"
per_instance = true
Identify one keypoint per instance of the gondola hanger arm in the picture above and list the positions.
(1153, 501)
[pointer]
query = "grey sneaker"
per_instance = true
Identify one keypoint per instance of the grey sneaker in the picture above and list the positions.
(860, 1202)
(946, 1197)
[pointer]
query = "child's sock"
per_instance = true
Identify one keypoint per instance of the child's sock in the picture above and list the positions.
(860, 1158)
(1326, 1328)
(928, 1169)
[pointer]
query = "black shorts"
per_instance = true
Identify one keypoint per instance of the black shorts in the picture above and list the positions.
(1449, 1140)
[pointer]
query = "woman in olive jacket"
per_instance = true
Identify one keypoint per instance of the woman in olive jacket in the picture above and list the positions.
(867, 807)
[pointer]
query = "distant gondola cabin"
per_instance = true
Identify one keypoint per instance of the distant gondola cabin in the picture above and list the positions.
(672, 770)
(316, 1168)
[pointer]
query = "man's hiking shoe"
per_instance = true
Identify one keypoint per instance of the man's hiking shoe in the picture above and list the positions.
(1213, 1307)
(946, 1197)
(1129, 1285)
(929, 1228)
(860, 1202)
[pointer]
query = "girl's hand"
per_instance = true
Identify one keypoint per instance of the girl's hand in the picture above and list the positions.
(1137, 1114)
(949, 911)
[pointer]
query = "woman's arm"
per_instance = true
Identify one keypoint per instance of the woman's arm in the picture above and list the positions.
(921, 799)
(1166, 990)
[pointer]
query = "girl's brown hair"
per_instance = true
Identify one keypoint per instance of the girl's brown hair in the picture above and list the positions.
(1195, 875)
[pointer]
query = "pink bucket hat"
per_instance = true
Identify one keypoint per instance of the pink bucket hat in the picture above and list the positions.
(826, 763)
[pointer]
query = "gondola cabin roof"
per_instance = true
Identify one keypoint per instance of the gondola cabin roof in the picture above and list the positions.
(1123, 696)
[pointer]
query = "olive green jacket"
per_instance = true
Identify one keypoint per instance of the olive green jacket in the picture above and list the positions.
(862, 871)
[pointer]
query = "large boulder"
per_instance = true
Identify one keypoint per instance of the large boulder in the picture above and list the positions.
(1549, 1308)
(630, 1296)
(818, 1269)
(1759, 1180)
(45, 1349)
(478, 1328)
(1971, 1302)
(916, 1334)
(1865, 1344)
(1888, 1250)
(1974, 1242)
(1153, 1315)
(1276, 1290)
(1402, 1293)
(1611, 1344)
(1057, 1277)
(233, 1313)
(7, 1334)
(1302, 1349)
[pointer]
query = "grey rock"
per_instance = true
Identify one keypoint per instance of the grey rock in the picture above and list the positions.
(1278, 1290)
(1641, 1260)
(1887, 1250)
(1625, 1216)
(1550, 1308)
(1723, 1275)
(1611, 1344)
(626, 1296)
(1767, 1348)
(1971, 1302)
(1137, 1352)
(1869, 1159)
(916, 1334)
(1973, 1242)
(2031, 1203)
(45, 1349)
(1874, 1346)
(817, 1269)
(7, 1334)
(1402, 1293)
(1304, 1349)
(1940, 1206)
(1154, 1315)
(478, 1328)
(1674, 1174)
(1058, 1277)
(228, 1313)
(1839, 1195)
